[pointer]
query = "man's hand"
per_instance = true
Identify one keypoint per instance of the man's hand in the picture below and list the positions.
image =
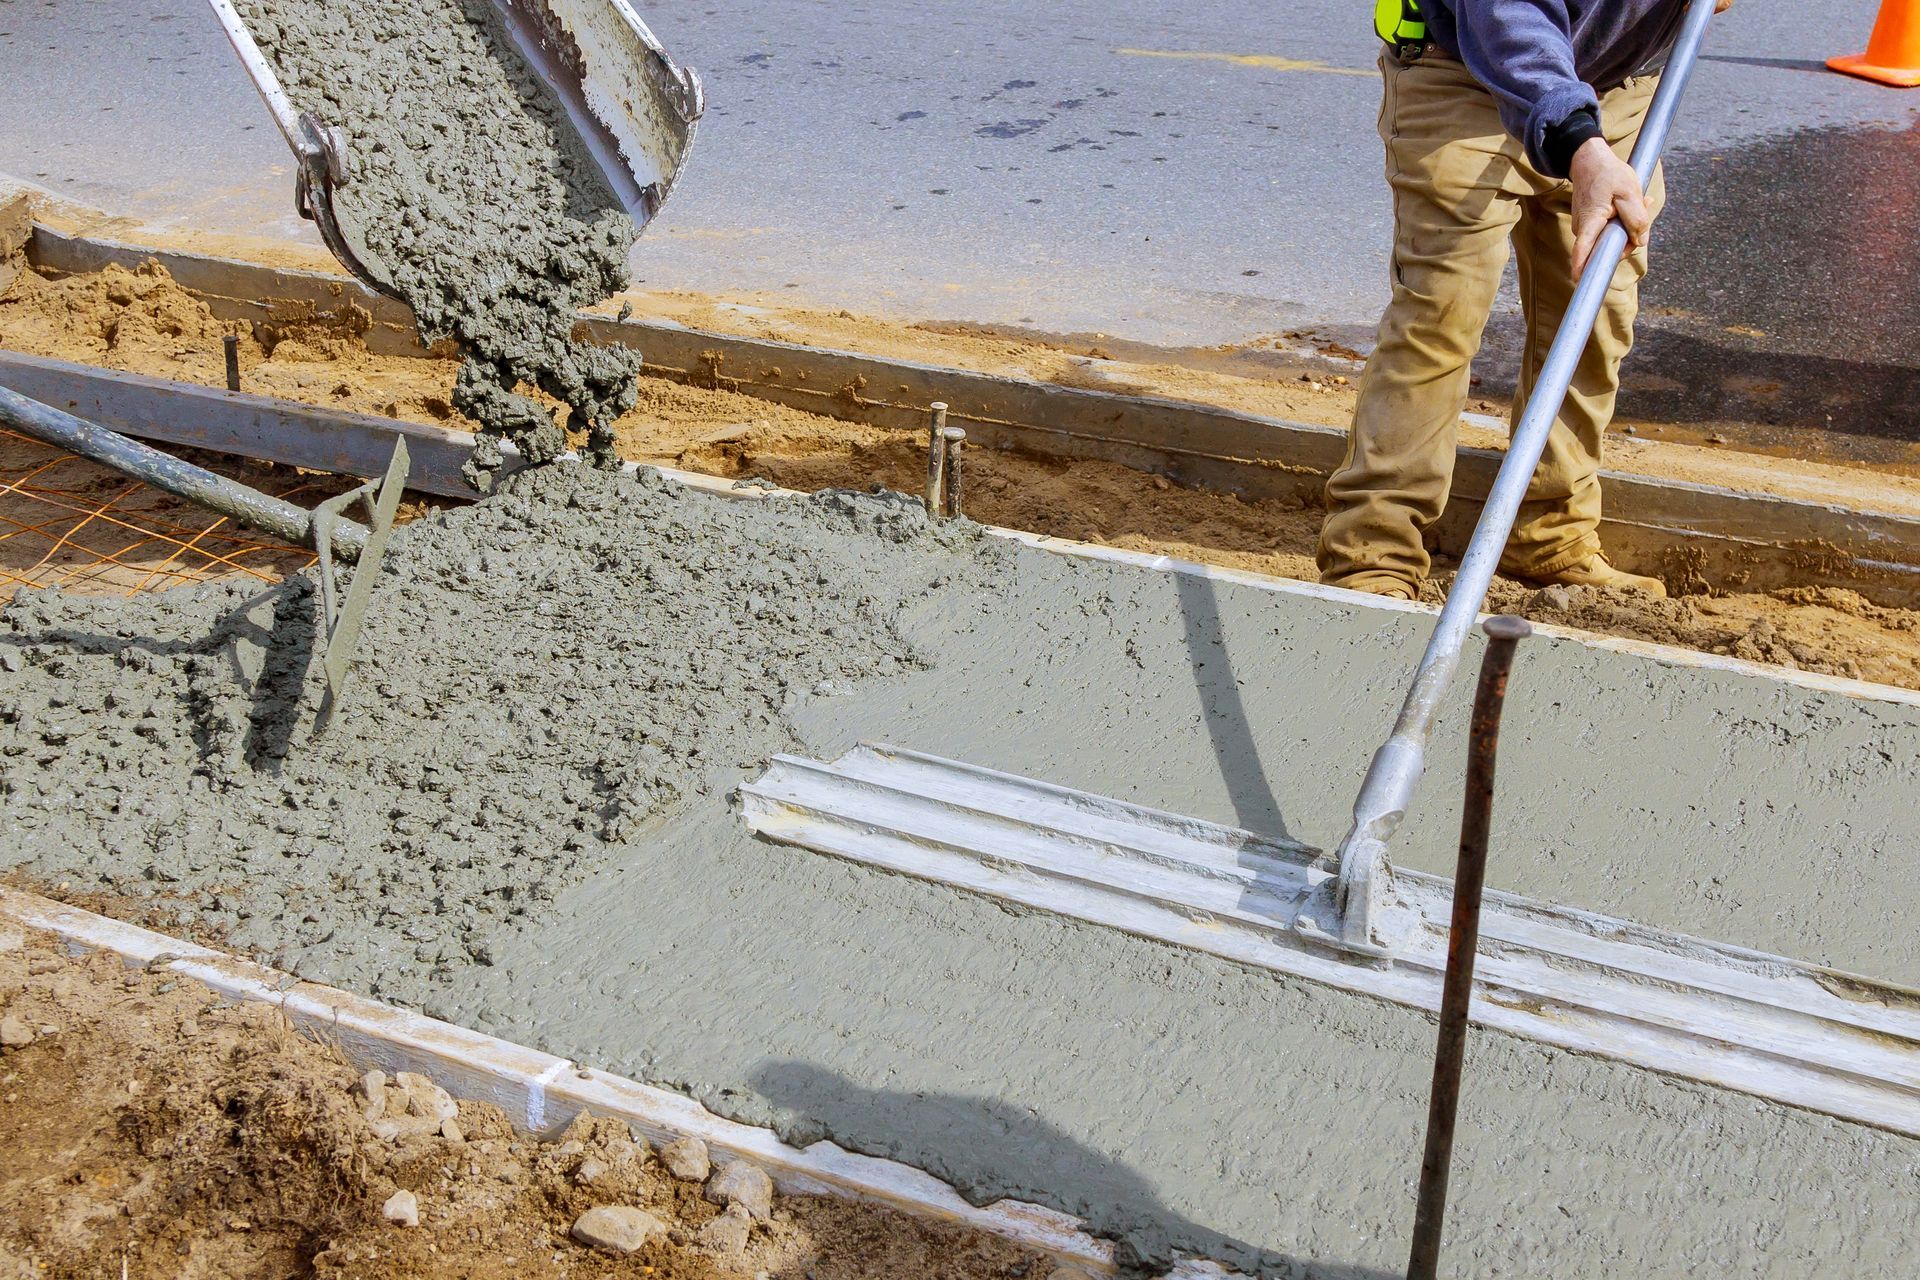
(1721, 6)
(1603, 185)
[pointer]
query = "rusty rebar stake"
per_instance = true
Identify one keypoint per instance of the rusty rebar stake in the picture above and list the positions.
(1463, 939)
(936, 454)
(956, 439)
(232, 343)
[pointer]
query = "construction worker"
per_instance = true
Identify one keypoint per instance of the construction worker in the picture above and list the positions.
(1504, 121)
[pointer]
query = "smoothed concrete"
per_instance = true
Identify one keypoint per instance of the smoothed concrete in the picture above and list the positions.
(1178, 1101)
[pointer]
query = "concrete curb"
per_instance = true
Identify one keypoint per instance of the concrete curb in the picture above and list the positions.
(543, 1093)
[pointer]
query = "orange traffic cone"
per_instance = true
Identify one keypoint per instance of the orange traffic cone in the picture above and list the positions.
(1893, 52)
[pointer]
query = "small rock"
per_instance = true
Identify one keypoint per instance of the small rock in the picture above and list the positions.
(450, 1130)
(636, 1145)
(590, 1170)
(42, 964)
(402, 1209)
(1556, 597)
(373, 1087)
(687, 1159)
(726, 1233)
(425, 1098)
(745, 1185)
(14, 1034)
(617, 1228)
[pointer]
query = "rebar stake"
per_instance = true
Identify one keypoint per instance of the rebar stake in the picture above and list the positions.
(936, 454)
(956, 438)
(232, 343)
(1463, 940)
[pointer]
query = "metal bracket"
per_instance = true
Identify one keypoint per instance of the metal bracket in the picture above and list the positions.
(342, 613)
(324, 165)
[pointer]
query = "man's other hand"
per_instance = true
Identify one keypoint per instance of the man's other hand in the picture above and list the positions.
(1604, 185)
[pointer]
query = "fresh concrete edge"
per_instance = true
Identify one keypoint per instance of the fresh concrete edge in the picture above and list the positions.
(543, 1093)
(296, 434)
(1665, 654)
(1726, 538)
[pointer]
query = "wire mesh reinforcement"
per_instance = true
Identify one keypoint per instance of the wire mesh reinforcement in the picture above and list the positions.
(70, 523)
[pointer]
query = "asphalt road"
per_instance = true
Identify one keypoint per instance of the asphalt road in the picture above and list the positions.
(1180, 175)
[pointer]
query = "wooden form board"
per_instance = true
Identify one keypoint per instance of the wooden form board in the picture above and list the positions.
(1725, 539)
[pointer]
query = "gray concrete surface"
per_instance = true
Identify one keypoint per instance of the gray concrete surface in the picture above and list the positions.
(1106, 167)
(521, 822)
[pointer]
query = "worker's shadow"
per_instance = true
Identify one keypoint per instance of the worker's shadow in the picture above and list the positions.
(1008, 1152)
(1255, 806)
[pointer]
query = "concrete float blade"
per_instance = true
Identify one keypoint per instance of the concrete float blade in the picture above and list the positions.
(1766, 1025)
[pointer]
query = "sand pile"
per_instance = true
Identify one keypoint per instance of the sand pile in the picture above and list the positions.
(470, 196)
(150, 1126)
(540, 675)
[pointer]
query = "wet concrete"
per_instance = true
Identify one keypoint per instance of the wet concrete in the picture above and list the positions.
(521, 822)
(469, 194)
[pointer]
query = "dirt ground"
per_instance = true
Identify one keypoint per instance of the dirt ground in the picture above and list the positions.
(152, 1130)
(141, 321)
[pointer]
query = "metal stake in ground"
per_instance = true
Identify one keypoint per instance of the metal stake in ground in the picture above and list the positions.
(936, 454)
(956, 438)
(1463, 940)
(232, 344)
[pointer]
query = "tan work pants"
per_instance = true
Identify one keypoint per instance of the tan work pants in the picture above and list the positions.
(1462, 190)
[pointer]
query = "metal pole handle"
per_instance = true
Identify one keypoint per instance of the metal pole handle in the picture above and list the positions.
(230, 498)
(1401, 760)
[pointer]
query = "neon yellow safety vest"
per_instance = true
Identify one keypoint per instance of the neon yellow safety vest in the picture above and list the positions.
(1399, 22)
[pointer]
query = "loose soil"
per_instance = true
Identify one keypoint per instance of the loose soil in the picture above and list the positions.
(141, 321)
(154, 1130)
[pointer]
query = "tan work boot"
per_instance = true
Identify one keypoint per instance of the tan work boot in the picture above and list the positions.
(1594, 571)
(1383, 585)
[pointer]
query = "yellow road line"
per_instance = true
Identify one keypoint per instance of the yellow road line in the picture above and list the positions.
(1265, 61)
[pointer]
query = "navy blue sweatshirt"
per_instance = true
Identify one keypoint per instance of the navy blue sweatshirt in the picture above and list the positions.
(1543, 60)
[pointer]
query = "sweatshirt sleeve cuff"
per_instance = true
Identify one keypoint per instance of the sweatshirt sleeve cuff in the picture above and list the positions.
(1563, 139)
